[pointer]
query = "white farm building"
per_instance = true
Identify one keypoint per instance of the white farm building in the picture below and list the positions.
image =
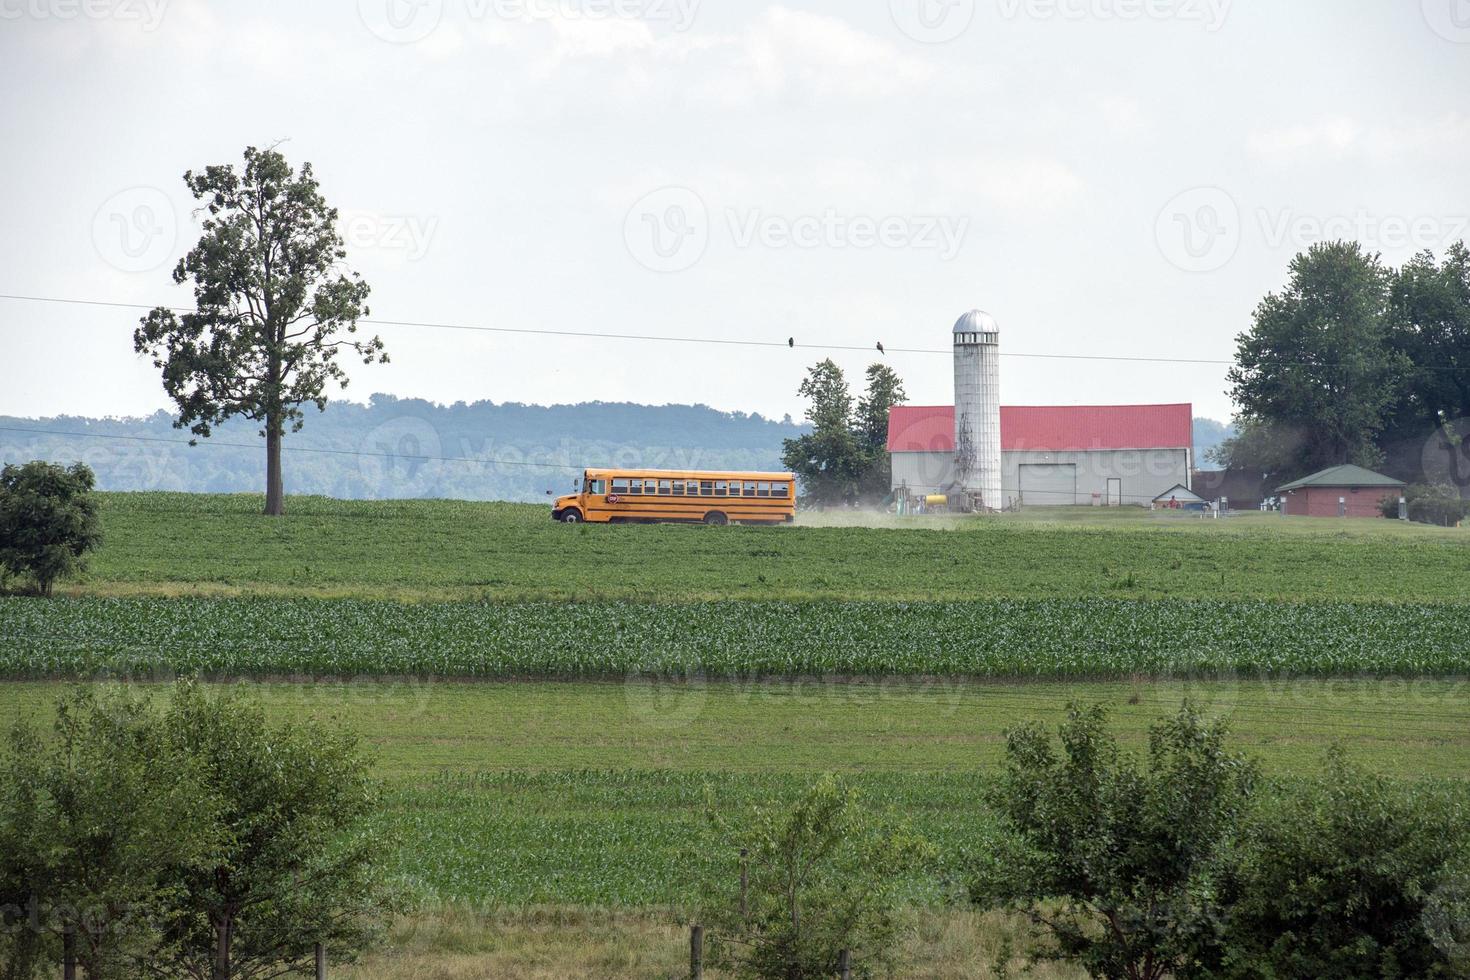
(1049, 455)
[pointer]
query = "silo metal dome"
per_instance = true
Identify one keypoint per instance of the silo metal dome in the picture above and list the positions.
(976, 321)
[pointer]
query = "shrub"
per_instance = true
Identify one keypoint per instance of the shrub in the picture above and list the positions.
(1345, 875)
(48, 520)
(823, 877)
(1430, 504)
(1111, 859)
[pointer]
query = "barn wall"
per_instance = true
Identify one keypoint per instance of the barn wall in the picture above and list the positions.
(1144, 473)
(1322, 501)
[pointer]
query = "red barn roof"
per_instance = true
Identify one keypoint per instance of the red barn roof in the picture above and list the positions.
(1049, 428)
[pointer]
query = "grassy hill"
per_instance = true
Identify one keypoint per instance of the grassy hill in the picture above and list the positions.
(169, 544)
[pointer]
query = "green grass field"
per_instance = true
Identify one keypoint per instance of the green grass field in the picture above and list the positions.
(434, 550)
(551, 707)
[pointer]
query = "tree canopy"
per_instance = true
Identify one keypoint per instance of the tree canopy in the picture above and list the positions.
(844, 459)
(271, 302)
(48, 521)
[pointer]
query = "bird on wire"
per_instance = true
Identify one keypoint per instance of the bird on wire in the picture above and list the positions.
(881, 350)
(790, 341)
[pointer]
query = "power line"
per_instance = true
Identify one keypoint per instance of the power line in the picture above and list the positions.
(664, 338)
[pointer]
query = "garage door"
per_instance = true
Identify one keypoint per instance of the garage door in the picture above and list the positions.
(1048, 484)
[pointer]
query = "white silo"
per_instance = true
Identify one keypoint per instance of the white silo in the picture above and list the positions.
(977, 407)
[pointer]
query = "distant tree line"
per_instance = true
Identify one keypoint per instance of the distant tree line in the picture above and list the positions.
(411, 448)
(1358, 362)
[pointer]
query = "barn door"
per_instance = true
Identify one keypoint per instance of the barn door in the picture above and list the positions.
(1115, 491)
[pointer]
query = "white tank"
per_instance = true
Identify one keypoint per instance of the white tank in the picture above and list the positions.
(977, 407)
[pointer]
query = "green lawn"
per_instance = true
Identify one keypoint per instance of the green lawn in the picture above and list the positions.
(187, 544)
(590, 794)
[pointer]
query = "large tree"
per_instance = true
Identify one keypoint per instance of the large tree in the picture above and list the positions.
(845, 456)
(827, 458)
(885, 390)
(1430, 310)
(271, 304)
(1317, 363)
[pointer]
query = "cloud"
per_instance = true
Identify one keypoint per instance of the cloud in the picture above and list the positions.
(1334, 135)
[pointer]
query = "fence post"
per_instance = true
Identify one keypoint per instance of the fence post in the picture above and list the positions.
(696, 952)
(744, 883)
(844, 965)
(321, 962)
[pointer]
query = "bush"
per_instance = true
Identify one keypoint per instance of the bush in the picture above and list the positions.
(192, 842)
(1345, 875)
(48, 521)
(823, 878)
(1109, 858)
(1430, 504)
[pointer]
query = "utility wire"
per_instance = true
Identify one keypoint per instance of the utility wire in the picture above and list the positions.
(661, 338)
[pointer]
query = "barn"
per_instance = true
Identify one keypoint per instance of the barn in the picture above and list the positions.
(1053, 455)
(1339, 491)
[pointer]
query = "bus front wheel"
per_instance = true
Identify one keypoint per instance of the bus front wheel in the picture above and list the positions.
(716, 519)
(572, 517)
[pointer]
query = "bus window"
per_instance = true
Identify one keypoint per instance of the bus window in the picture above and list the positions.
(750, 489)
(722, 488)
(597, 486)
(620, 486)
(763, 489)
(635, 487)
(706, 488)
(783, 490)
(678, 488)
(665, 488)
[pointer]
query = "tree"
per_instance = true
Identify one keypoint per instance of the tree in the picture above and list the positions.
(48, 521)
(295, 865)
(1317, 362)
(1339, 876)
(1111, 859)
(826, 459)
(93, 819)
(1430, 316)
(270, 300)
(885, 390)
(845, 456)
(823, 877)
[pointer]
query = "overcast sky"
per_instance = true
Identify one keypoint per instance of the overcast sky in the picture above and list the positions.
(1116, 177)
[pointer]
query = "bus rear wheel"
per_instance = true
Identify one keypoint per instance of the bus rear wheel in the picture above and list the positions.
(571, 517)
(716, 519)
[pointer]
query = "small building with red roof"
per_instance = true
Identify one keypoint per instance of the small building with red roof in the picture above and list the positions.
(1054, 455)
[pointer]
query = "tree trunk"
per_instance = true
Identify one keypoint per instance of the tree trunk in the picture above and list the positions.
(221, 966)
(275, 493)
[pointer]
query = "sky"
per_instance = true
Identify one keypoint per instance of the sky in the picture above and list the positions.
(1106, 177)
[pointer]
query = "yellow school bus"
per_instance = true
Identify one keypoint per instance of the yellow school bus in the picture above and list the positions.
(672, 496)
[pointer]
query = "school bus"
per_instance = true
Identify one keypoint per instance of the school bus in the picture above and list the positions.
(675, 496)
